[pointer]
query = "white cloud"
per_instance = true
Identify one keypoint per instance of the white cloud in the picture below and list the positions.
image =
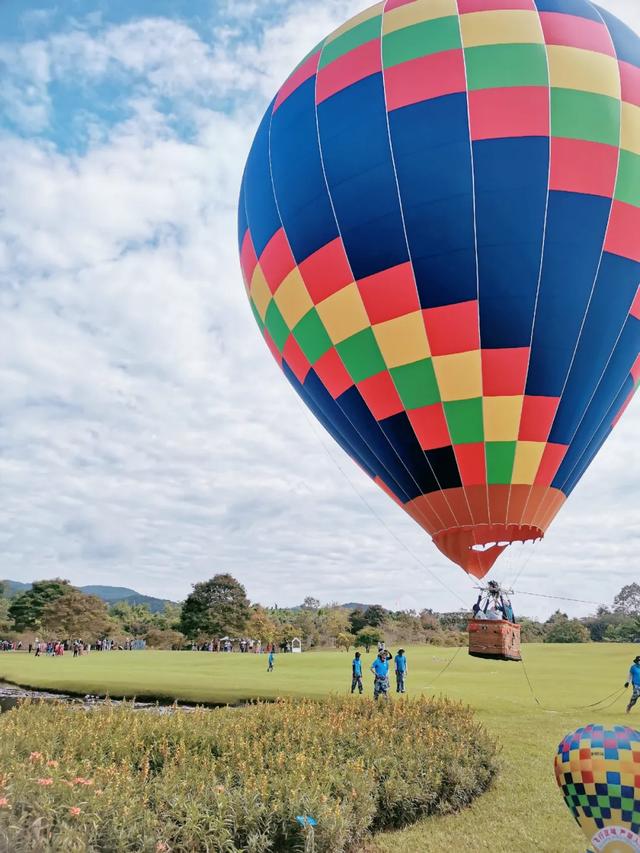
(146, 437)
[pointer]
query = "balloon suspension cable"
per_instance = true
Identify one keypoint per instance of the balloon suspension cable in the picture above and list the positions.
(445, 667)
(377, 515)
(560, 598)
(614, 697)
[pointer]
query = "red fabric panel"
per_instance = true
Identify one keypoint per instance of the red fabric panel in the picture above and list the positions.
(501, 113)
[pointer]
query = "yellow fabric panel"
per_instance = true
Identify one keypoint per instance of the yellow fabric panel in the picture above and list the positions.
(413, 13)
(502, 27)
(501, 417)
(343, 313)
(527, 461)
(292, 298)
(459, 376)
(403, 340)
(630, 130)
(360, 18)
(586, 70)
(260, 292)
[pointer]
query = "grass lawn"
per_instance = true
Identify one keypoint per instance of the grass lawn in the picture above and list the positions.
(523, 812)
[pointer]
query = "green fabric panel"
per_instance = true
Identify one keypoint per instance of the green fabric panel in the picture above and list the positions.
(361, 355)
(628, 185)
(257, 317)
(500, 456)
(275, 323)
(416, 384)
(506, 65)
(584, 115)
(360, 34)
(312, 336)
(421, 39)
(464, 418)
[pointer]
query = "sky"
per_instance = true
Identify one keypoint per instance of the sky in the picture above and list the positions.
(147, 437)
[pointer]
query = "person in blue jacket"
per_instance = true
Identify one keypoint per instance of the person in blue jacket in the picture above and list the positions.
(380, 670)
(400, 661)
(271, 659)
(634, 678)
(356, 674)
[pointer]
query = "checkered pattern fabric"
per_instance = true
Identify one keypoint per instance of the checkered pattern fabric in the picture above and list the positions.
(598, 770)
(439, 230)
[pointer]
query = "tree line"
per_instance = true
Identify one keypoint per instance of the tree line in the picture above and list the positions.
(219, 607)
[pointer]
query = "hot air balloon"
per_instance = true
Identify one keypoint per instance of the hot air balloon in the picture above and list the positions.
(598, 770)
(439, 229)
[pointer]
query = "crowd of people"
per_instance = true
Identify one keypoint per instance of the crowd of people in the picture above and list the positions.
(380, 669)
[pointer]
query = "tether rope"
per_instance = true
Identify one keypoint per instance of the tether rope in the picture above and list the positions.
(616, 694)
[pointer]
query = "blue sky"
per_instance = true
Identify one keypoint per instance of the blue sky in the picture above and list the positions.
(146, 437)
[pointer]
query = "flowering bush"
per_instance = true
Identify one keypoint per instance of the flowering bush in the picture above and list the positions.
(293, 775)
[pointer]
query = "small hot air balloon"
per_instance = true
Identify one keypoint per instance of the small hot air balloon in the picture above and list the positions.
(439, 228)
(598, 770)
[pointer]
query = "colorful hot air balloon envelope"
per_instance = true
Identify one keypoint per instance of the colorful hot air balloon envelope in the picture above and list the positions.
(598, 770)
(439, 229)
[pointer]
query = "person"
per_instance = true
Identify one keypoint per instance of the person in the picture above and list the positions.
(270, 659)
(380, 670)
(356, 674)
(634, 678)
(401, 670)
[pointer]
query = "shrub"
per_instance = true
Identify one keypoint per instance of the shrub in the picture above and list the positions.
(116, 779)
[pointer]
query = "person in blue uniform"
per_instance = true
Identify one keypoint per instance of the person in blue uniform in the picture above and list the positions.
(356, 674)
(634, 679)
(271, 659)
(380, 670)
(400, 661)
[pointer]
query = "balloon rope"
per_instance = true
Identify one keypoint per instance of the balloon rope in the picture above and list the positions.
(560, 598)
(379, 519)
(616, 694)
(445, 668)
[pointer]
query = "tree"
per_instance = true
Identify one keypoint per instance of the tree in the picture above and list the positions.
(164, 638)
(135, 619)
(76, 615)
(357, 620)
(216, 608)
(375, 615)
(368, 637)
(311, 603)
(567, 631)
(26, 609)
(260, 626)
(627, 601)
(344, 640)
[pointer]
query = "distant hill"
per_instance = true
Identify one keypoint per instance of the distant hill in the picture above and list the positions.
(110, 594)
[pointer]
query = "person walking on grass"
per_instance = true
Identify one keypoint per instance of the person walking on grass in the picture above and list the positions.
(380, 670)
(271, 659)
(356, 674)
(634, 678)
(400, 661)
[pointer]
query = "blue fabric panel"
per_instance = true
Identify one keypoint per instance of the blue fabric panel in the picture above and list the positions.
(262, 212)
(612, 298)
(298, 178)
(582, 8)
(608, 397)
(243, 223)
(357, 158)
(401, 436)
(511, 177)
(432, 152)
(320, 402)
(576, 226)
(625, 41)
(367, 427)
(575, 463)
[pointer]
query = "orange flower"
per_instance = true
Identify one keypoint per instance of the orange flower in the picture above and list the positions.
(80, 780)
(35, 756)
(45, 781)
(4, 803)
(74, 811)
(52, 763)
(162, 847)
(220, 789)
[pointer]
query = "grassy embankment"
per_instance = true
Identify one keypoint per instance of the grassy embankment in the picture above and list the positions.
(523, 812)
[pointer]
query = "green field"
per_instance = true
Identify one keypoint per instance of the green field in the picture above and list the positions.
(524, 811)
